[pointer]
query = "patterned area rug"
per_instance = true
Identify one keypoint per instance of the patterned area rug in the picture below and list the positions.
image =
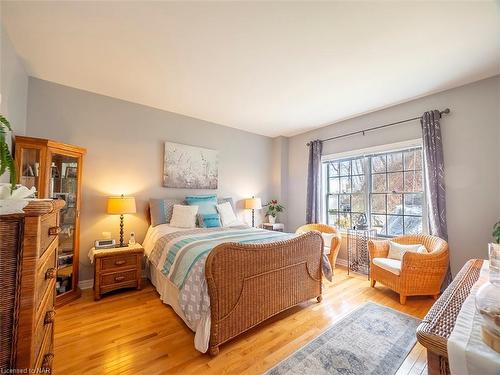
(372, 339)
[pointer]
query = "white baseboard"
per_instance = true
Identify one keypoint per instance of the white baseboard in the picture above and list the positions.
(86, 284)
(341, 262)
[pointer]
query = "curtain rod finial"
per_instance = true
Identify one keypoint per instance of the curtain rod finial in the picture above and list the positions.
(446, 111)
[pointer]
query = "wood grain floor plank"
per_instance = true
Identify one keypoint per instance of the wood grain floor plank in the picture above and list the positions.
(133, 332)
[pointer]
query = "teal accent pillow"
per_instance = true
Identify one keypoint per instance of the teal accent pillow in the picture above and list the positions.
(209, 220)
(206, 203)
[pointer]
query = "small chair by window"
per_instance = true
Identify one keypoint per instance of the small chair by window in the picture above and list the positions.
(417, 274)
(332, 248)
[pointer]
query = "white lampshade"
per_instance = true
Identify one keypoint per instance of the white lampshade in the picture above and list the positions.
(253, 204)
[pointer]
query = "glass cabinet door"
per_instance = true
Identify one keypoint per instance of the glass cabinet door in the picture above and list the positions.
(63, 184)
(30, 168)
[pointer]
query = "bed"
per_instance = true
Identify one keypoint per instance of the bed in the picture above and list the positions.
(224, 281)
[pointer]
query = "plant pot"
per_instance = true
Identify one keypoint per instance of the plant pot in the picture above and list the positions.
(272, 219)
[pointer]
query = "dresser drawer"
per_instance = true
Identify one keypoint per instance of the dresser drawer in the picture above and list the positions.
(49, 230)
(44, 321)
(45, 358)
(117, 278)
(118, 261)
(45, 274)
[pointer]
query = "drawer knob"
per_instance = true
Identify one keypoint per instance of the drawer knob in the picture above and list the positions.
(47, 360)
(119, 278)
(120, 262)
(50, 274)
(49, 317)
(54, 231)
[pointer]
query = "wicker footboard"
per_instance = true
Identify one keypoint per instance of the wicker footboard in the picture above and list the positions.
(249, 283)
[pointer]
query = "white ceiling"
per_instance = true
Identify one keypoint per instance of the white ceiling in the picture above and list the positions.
(269, 68)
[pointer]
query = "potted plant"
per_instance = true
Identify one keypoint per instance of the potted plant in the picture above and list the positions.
(496, 232)
(273, 208)
(12, 196)
(6, 159)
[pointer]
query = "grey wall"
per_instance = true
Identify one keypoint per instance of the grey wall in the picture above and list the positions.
(279, 165)
(13, 88)
(125, 150)
(471, 144)
(124, 144)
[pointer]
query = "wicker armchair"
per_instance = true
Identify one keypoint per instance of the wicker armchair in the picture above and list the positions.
(332, 249)
(419, 274)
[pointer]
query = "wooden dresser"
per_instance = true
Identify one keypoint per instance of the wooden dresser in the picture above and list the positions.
(27, 282)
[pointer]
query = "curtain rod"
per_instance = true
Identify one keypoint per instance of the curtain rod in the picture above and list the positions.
(446, 111)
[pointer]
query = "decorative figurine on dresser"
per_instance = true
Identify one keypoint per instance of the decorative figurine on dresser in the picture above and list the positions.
(55, 170)
(28, 270)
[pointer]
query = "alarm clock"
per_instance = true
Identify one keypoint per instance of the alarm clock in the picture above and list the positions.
(104, 244)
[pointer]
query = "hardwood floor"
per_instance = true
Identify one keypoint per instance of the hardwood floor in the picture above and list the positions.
(133, 332)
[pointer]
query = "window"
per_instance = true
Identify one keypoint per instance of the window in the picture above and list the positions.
(383, 190)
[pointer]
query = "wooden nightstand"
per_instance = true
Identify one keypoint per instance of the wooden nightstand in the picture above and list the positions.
(277, 227)
(116, 268)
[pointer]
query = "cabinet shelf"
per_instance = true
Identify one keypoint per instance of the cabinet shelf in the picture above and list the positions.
(54, 169)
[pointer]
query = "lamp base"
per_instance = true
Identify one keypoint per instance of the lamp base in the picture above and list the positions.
(122, 242)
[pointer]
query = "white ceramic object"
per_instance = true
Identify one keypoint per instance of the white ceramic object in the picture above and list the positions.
(13, 201)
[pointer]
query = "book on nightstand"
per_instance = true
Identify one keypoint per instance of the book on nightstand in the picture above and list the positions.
(278, 227)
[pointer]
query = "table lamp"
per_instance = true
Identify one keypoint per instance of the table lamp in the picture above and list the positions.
(253, 204)
(119, 206)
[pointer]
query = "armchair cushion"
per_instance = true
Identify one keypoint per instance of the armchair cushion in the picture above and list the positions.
(327, 238)
(391, 265)
(396, 250)
(326, 250)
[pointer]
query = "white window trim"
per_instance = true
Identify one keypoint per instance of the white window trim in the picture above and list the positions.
(397, 146)
(373, 150)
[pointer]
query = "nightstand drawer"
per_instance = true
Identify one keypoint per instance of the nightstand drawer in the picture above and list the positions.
(117, 268)
(118, 278)
(119, 261)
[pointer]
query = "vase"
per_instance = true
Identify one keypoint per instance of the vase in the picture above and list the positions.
(488, 300)
(494, 258)
(272, 219)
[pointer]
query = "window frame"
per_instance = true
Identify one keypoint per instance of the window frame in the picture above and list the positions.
(366, 154)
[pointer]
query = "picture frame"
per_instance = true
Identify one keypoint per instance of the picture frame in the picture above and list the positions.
(54, 172)
(62, 196)
(71, 172)
(190, 167)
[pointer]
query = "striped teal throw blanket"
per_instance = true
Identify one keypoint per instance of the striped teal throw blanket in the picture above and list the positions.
(183, 252)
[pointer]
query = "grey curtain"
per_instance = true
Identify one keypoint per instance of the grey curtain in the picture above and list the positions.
(313, 206)
(435, 190)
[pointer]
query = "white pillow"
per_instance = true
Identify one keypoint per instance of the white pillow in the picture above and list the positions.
(327, 238)
(227, 216)
(184, 216)
(397, 250)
